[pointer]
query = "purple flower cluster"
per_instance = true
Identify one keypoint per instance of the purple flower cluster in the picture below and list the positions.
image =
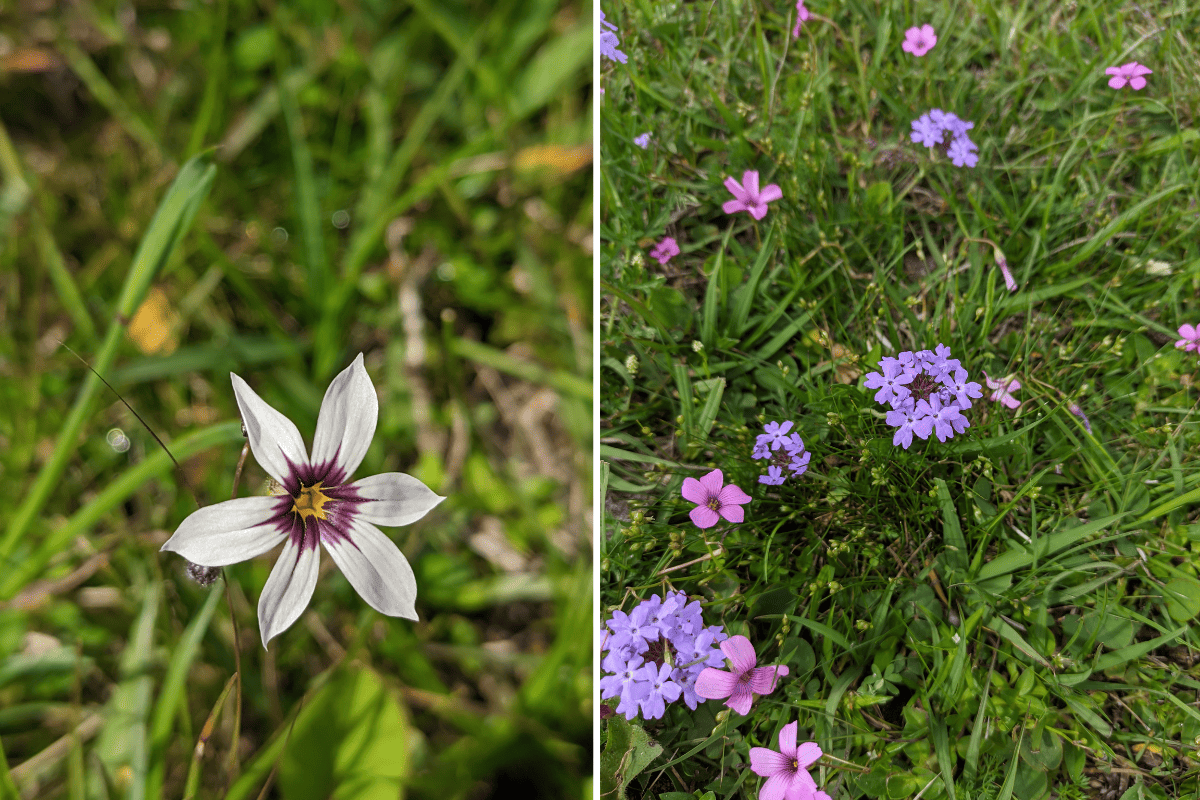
(785, 451)
(930, 129)
(928, 391)
(609, 41)
(655, 654)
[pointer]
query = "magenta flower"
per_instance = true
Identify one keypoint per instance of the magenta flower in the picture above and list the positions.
(786, 771)
(1130, 73)
(746, 680)
(1191, 339)
(1002, 263)
(748, 197)
(713, 500)
(919, 41)
(665, 250)
(1002, 390)
(802, 15)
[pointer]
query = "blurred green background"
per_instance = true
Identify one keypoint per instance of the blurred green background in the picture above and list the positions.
(194, 188)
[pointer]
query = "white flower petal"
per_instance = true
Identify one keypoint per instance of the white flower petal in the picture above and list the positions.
(273, 437)
(375, 567)
(347, 421)
(229, 532)
(288, 589)
(394, 498)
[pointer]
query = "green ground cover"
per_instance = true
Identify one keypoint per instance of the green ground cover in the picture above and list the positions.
(198, 188)
(1006, 613)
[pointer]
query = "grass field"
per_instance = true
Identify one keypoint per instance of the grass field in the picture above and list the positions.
(1006, 613)
(195, 189)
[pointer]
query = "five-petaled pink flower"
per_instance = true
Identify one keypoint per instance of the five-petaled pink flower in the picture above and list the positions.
(665, 250)
(746, 680)
(919, 41)
(802, 15)
(319, 506)
(786, 771)
(1191, 338)
(714, 500)
(1003, 390)
(749, 198)
(1130, 73)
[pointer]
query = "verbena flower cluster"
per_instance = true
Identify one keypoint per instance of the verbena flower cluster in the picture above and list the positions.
(932, 128)
(785, 452)
(927, 392)
(609, 41)
(655, 654)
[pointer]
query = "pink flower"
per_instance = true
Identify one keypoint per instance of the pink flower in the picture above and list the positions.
(665, 250)
(1191, 339)
(1002, 390)
(919, 41)
(745, 681)
(749, 198)
(714, 501)
(1009, 280)
(802, 15)
(1130, 73)
(786, 771)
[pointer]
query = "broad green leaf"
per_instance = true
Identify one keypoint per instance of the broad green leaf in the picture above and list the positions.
(628, 751)
(351, 742)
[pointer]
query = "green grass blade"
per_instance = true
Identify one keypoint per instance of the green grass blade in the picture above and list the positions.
(158, 463)
(172, 219)
(173, 688)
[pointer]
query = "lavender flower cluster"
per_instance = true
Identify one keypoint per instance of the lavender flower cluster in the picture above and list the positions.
(785, 452)
(930, 129)
(655, 654)
(927, 391)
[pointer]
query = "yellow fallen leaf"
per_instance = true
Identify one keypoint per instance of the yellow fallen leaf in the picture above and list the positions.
(151, 328)
(558, 158)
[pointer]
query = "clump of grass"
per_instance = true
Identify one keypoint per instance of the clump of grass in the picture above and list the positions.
(1007, 613)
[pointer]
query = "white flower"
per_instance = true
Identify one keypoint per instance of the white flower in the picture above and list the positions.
(318, 505)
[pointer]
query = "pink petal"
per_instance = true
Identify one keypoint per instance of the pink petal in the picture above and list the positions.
(758, 211)
(750, 181)
(734, 206)
(807, 754)
(712, 482)
(1010, 401)
(928, 32)
(694, 491)
(740, 653)
(704, 517)
(764, 678)
(731, 495)
(1188, 331)
(777, 786)
(766, 762)
(1113, 71)
(908, 46)
(741, 699)
(715, 684)
(1117, 82)
(770, 193)
(736, 188)
(1013, 385)
(803, 786)
(1140, 69)
(787, 740)
(733, 513)
(1137, 82)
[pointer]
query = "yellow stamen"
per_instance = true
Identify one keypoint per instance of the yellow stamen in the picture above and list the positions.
(311, 502)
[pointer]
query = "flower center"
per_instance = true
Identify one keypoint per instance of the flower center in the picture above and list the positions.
(795, 764)
(714, 504)
(922, 386)
(311, 502)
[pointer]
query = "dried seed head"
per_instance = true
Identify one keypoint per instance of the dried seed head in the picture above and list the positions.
(205, 576)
